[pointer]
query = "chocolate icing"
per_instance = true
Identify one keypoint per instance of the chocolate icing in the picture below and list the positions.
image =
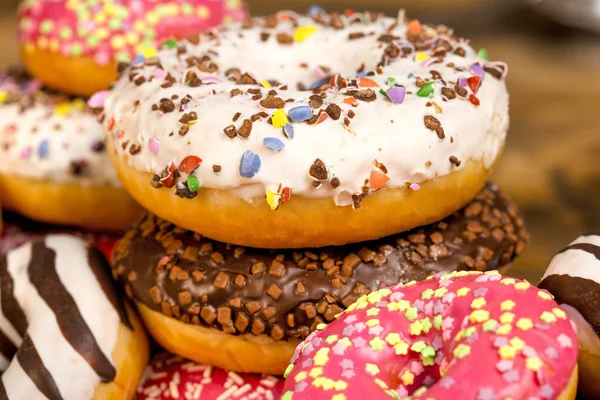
(44, 277)
(7, 348)
(286, 293)
(580, 293)
(34, 367)
(587, 247)
(10, 306)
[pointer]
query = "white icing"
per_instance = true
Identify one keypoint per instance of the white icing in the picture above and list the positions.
(70, 138)
(575, 262)
(404, 146)
(72, 374)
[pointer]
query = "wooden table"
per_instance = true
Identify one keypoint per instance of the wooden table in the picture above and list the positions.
(551, 164)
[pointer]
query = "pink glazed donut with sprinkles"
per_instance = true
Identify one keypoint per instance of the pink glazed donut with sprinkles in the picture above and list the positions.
(173, 377)
(464, 335)
(74, 45)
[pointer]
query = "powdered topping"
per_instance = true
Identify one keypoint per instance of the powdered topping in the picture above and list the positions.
(421, 340)
(343, 89)
(44, 135)
(116, 30)
(172, 377)
(286, 294)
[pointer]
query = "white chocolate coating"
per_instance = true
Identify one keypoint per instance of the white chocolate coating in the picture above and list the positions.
(394, 135)
(577, 262)
(71, 373)
(52, 138)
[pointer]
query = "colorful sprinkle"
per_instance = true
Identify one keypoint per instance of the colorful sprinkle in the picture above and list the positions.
(304, 32)
(273, 143)
(44, 148)
(300, 113)
(193, 183)
(279, 119)
(97, 99)
(426, 90)
(396, 94)
(154, 145)
(189, 164)
(249, 164)
(288, 131)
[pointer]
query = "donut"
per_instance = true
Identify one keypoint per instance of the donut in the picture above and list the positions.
(223, 136)
(245, 309)
(74, 46)
(172, 377)
(573, 278)
(459, 335)
(54, 166)
(64, 331)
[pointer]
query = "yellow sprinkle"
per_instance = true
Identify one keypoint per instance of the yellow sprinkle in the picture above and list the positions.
(545, 295)
(462, 291)
(372, 369)
(522, 285)
(374, 297)
(315, 372)
(339, 396)
(302, 375)
(459, 335)
(411, 283)
(373, 312)
(508, 281)
(149, 52)
(426, 295)
(401, 305)
(462, 350)
(362, 305)
(279, 119)
(559, 313)
(504, 329)
(548, 317)
(319, 382)
(265, 84)
(117, 42)
(3, 96)
(304, 32)
(340, 385)
(273, 199)
(320, 327)
(408, 378)
(381, 383)
(415, 328)
(393, 338)
(419, 391)
(331, 339)
(507, 305)
(372, 322)
(401, 348)
(525, 324)
(507, 352)
(440, 292)
(517, 343)
(478, 303)
(421, 56)
(507, 318)
(102, 33)
(321, 357)
(376, 344)
(79, 104)
(345, 341)
(534, 363)
(479, 316)
(62, 108)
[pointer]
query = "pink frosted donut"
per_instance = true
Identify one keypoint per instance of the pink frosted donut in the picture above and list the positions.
(74, 45)
(172, 377)
(464, 335)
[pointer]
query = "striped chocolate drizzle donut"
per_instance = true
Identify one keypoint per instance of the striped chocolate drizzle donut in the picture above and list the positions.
(59, 320)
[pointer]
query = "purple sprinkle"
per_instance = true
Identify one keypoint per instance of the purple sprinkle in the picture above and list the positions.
(375, 330)
(288, 131)
(542, 326)
(300, 386)
(411, 75)
(348, 330)
(397, 296)
(428, 381)
(44, 148)
(273, 143)
(154, 145)
(477, 70)
(511, 376)
(419, 304)
(359, 342)
(447, 382)
(300, 113)
(439, 307)
(317, 341)
(547, 392)
(307, 363)
(250, 164)
(97, 99)
(480, 292)
(359, 327)
(210, 79)
(33, 86)
(396, 94)
(462, 82)
(486, 394)
(415, 186)
(347, 364)
(551, 353)
(437, 342)
(500, 341)
(348, 374)
(160, 73)
(504, 365)
(350, 319)
(308, 349)
(339, 349)
(529, 351)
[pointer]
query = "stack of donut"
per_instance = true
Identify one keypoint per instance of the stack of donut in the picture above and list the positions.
(324, 178)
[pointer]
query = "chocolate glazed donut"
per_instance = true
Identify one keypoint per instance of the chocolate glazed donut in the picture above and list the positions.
(284, 294)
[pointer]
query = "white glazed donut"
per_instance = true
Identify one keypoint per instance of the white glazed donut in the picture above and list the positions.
(53, 162)
(221, 121)
(573, 277)
(64, 331)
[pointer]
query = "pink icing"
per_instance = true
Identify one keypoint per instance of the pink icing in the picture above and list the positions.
(172, 377)
(117, 29)
(495, 339)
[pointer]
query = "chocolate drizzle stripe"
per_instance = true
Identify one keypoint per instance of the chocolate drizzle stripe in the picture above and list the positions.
(100, 267)
(7, 348)
(3, 395)
(34, 367)
(43, 275)
(587, 247)
(10, 306)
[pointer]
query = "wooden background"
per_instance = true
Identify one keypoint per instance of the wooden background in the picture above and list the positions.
(551, 165)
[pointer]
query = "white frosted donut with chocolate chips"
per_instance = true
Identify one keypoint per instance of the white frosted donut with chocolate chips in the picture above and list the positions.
(53, 163)
(65, 333)
(405, 124)
(573, 277)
